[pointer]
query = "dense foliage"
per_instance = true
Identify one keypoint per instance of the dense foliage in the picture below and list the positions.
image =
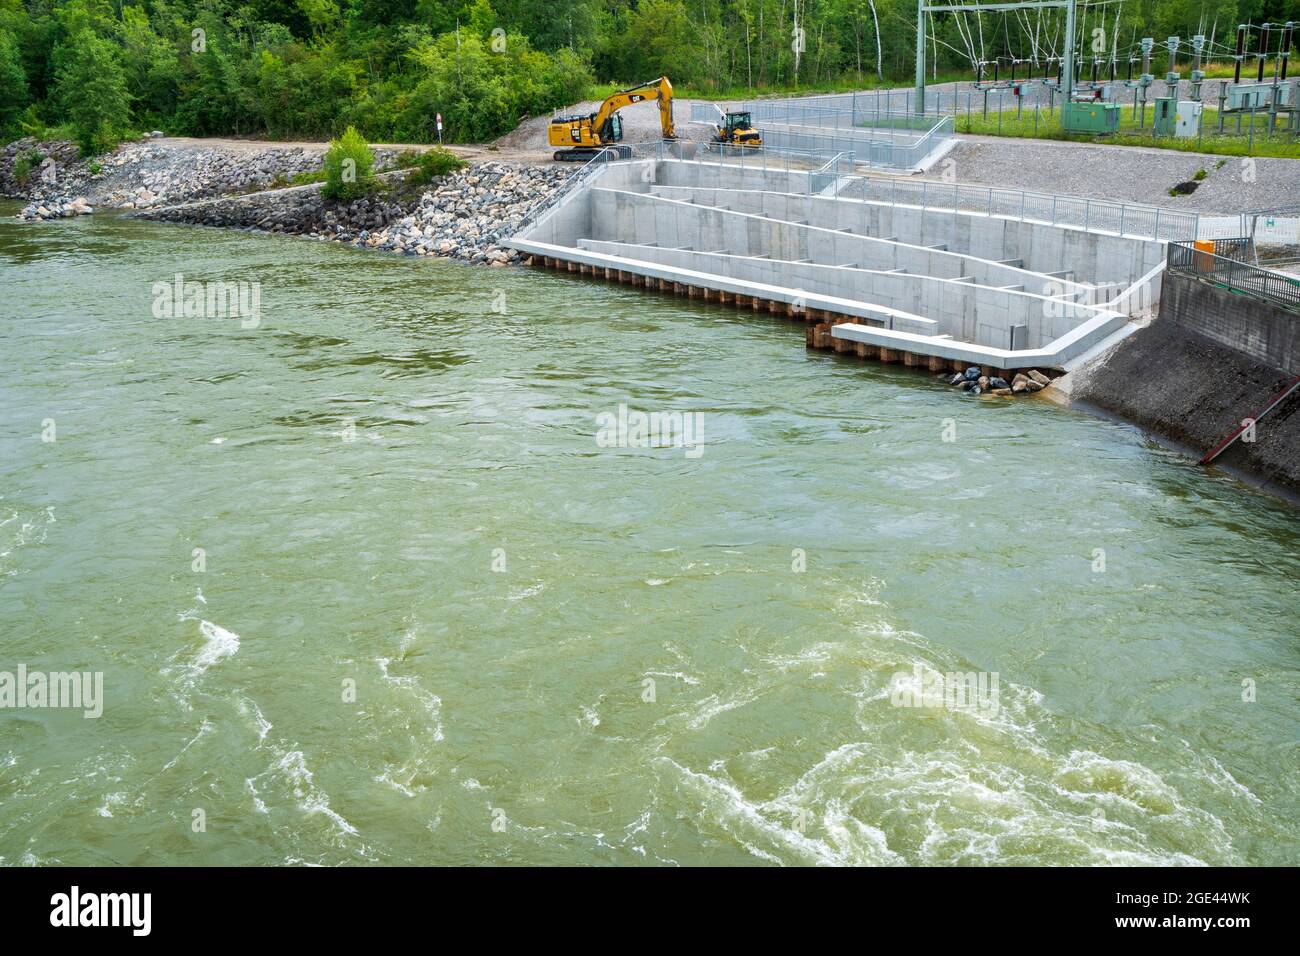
(96, 69)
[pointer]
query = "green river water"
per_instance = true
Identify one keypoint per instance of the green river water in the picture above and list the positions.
(500, 590)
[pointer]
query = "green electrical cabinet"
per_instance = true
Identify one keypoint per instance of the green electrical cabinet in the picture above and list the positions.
(1091, 117)
(1166, 118)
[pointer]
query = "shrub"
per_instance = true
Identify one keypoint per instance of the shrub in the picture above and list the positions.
(25, 163)
(349, 166)
(429, 165)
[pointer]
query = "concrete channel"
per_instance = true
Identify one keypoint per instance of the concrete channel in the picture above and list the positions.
(879, 277)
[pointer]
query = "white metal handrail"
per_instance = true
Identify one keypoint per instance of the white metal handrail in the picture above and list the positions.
(1092, 215)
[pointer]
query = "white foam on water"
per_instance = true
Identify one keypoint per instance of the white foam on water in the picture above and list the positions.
(290, 767)
(769, 830)
(249, 709)
(311, 799)
(204, 728)
(431, 702)
(111, 800)
(675, 675)
(409, 777)
(945, 786)
(258, 805)
(33, 532)
(219, 644)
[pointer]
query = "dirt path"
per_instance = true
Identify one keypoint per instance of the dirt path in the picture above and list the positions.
(474, 152)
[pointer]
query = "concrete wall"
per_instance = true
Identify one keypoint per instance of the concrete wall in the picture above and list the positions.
(732, 175)
(570, 219)
(649, 220)
(970, 313)
(798, 248)
(1264, 332)
(1177, 383)
(1091, 257)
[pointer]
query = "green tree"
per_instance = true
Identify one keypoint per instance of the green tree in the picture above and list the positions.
(661, 40)
(151, 66)
(92, 88)
(13, 81)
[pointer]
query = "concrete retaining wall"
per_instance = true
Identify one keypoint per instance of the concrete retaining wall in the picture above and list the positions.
(733, 175)
(1264, 332)
(570, 219)
(1177, 383)
(646, 219)
(945, 307)
(1091, 257)
(800, 252)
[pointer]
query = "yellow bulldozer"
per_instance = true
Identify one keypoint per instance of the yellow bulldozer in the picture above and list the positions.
(737, 129)
(582, 137)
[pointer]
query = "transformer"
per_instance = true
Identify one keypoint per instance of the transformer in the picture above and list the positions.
(1094, 117)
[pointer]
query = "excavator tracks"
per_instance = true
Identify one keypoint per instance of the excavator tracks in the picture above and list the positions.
(584, 155)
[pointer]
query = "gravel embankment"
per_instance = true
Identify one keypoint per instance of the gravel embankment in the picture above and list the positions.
(462, 216)
(147, 173)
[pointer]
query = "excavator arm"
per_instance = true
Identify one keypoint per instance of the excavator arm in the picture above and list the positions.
(659, 89)
(584, 136)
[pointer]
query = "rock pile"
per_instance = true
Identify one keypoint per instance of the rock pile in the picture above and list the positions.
(149, 173)
(463, 217)
(59, 153)
(974, 381)
(57, 210)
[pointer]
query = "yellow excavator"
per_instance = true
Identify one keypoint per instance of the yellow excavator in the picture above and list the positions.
(737, 129)
(582, 137)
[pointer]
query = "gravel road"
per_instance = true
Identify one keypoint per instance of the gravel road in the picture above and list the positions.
(1128, 173)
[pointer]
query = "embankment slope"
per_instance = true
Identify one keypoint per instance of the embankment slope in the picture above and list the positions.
(1184, 387)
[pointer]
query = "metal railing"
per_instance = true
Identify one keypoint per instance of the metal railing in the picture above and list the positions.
(1234, 275)
(597, 164)
(822, 167)
(1093, 215)
(768, 158)
(991, 106)
(865, 146)
(828, 177)
(889, 139)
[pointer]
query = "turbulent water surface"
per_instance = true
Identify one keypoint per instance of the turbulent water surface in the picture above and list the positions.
(364, 587)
